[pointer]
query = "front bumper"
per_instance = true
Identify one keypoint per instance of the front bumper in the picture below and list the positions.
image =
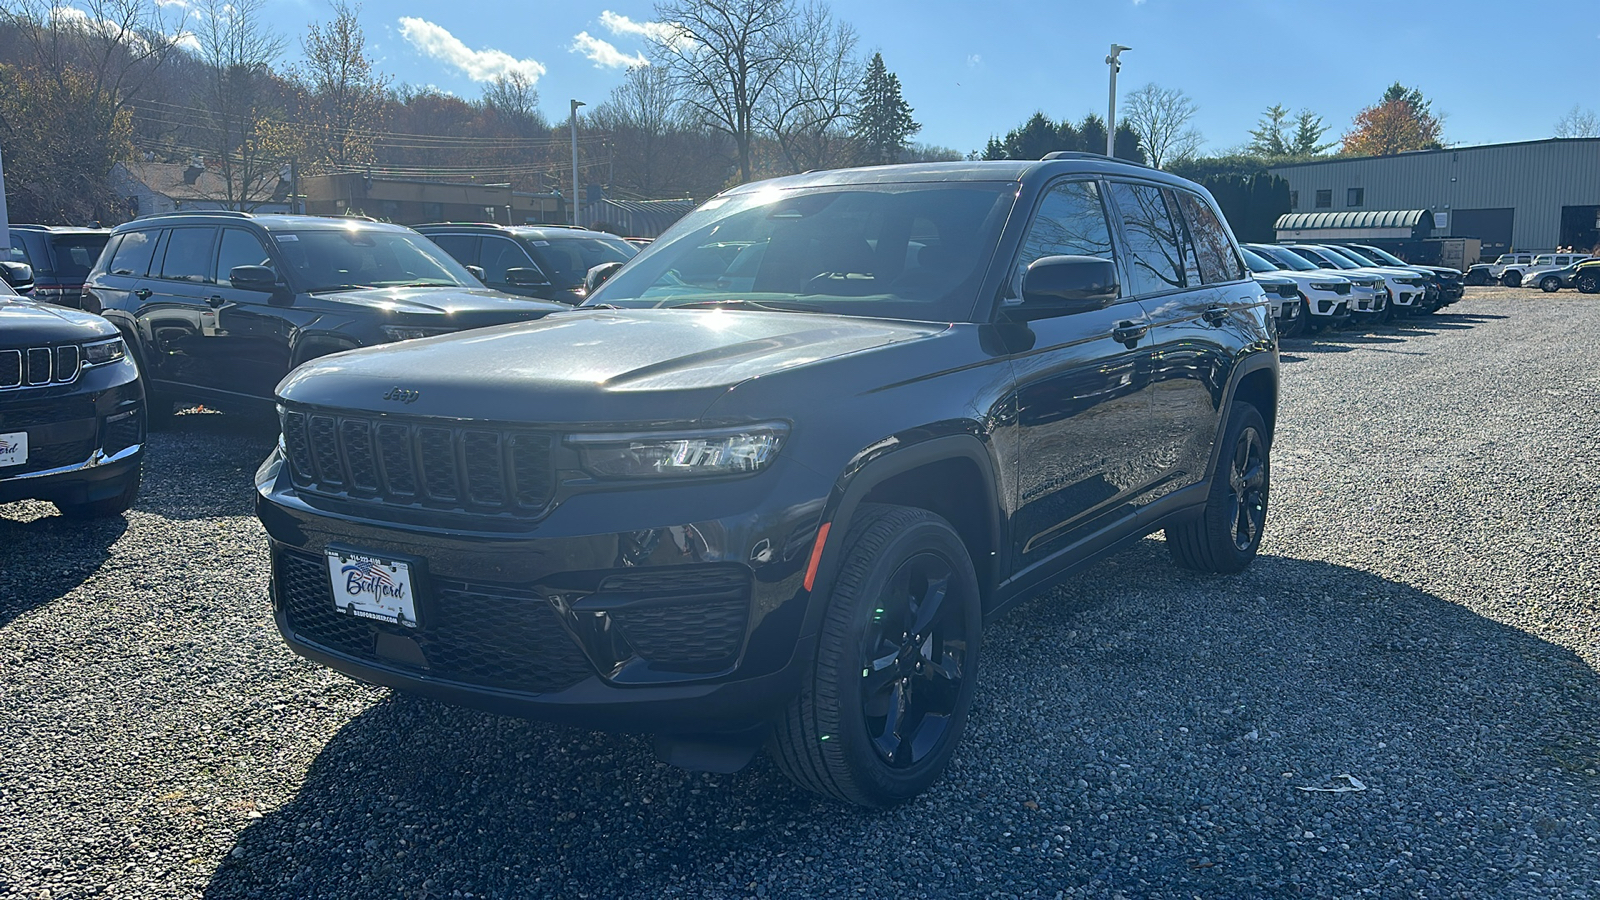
(687, 628)
(84, 438)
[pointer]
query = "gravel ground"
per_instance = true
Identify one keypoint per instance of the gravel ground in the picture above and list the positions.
(1423, 618)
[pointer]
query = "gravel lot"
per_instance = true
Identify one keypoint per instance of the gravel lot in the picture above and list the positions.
(1423, 618)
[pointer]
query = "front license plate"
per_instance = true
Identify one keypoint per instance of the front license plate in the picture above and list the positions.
(13, 449)
(371, 587)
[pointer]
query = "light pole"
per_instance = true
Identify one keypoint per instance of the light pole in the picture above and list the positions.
(1111, 104)
(575, 105)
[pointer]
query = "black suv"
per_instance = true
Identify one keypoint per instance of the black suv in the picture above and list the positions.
(544, 261)
(60, 257)
(71, 407)
(219, 307)
(781, 504)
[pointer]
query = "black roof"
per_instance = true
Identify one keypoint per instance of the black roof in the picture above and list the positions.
(966, 170)
(539, 232)
(268, 221)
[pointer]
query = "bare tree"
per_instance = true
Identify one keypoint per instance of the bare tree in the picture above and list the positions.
(1161, 116)
(342, 95)
(66, 105)
(1578, 123)
(724, 56)
(657, 149)
(811, 102)
(515, 98)
(239, 51)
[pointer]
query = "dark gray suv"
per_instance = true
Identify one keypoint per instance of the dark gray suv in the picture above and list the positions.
(778, 500)
(219, 307)
(544, 261)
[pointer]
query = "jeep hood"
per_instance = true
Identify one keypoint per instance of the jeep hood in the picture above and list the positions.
(590, 366)
(24, 323)
(466, 307)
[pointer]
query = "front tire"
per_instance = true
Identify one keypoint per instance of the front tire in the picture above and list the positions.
(879, 716)
(1550, 284)
(1512, 278)
(1589, 283)
(1225, 537)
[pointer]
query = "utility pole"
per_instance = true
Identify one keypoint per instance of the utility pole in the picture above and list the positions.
(5, 219)
(574, 201)
(1111, 104)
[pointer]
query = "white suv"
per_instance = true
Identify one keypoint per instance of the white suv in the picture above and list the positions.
(1328, 295)
(1513, 274)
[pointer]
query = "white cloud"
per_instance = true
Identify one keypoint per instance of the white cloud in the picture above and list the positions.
(604, 54)
(479, 65)
(187, 40)
(975, 60)
(666, 32)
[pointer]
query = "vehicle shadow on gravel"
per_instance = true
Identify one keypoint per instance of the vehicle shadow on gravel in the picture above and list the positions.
(1138, 730)
(75, 551)
(220, 454)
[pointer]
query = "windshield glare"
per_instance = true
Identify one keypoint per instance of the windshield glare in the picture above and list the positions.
(1384, 255)
(333, 259)
(1285, 259)
(1354, 257)
(902, 251)
(1258, 263)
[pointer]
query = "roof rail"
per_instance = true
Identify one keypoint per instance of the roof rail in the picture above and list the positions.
(228, 213)
(1082, 154)
(458, 225)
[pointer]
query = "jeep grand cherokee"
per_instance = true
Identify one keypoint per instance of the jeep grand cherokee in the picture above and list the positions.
(779, 501)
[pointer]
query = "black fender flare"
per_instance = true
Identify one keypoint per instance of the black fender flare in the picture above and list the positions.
(870, 467)
(1250, 364)
(310, 346)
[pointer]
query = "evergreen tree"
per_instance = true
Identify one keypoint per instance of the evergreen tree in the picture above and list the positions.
(1308, 131)
(1127, 144)
(882, 124)
(1267, 138)
(1092, 134)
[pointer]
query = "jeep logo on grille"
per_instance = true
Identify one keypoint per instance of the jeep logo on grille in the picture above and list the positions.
(401, 395)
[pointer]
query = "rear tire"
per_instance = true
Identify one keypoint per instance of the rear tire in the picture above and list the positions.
(1225, 537)
(1512, 278)
(883, 707)
(110, 506)
(1589, 283)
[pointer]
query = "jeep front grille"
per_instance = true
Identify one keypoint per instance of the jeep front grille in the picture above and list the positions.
(419, 462)
(39, 366)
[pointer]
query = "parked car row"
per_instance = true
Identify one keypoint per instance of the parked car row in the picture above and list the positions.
(1550, 272)
(1339, 283)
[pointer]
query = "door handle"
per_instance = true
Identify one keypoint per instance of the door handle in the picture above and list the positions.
(142, 293)
(1216, 315)
(1130, 332)
(215, 301)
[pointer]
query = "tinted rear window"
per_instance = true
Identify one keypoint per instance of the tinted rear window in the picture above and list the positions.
(75, 253)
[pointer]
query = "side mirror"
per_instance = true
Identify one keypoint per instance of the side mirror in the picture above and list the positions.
(18, 275)
(599, 275)
(1063, 285)
(475, 272)
(526, 276)
(253, 278)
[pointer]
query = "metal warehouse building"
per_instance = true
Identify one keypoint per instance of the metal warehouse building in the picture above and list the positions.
(1532, 195)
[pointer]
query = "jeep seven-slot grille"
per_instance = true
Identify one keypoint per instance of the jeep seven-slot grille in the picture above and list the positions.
(39, 366)
(415, 463)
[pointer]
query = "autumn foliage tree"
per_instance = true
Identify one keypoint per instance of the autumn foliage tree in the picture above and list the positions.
(1403, 120)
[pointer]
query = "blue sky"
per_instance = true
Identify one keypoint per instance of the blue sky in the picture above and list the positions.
(974, 70)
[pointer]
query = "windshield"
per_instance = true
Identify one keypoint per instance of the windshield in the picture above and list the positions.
(75, 253)
(1258, 263)
(565, 261)
(901, 251)
(337, 259)
(1383, 255)
(1354, 257)
(1333, 260)
(1284, 258)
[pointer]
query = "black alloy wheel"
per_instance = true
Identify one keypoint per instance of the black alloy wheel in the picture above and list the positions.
(1226, 535)
(914, 661)
(1589, 282)
(881, 712)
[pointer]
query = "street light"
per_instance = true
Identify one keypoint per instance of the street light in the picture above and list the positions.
(1111, 105)
(575, 105)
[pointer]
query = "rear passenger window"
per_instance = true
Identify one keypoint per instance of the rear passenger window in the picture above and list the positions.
(1219, 262)
(1071, 222)
(188, 256)
(1154, 247)
(132, 255)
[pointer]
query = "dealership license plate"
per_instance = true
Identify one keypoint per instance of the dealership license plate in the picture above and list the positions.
(372, 587)
(13, 449)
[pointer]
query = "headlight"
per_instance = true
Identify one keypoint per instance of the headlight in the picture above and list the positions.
(102, 352)
(716, 451)
(1325, 287)
(410, 332)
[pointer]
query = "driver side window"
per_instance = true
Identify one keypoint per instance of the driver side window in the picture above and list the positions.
(1071, 221)
(240, 248)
